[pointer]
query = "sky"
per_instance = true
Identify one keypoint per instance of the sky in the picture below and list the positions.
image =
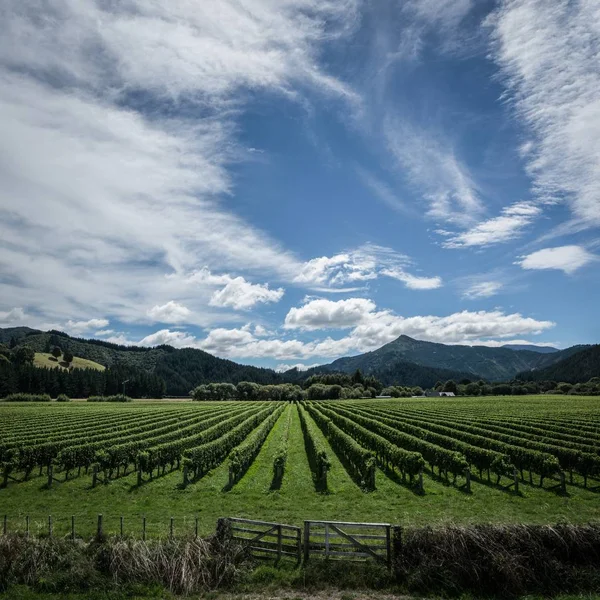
(283, 182)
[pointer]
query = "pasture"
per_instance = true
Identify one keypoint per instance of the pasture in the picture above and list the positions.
(353, 460)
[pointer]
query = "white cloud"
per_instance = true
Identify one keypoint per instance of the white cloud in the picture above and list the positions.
(104, 332)
(283, 367)
(321, 314)
(483, 289)
(171, 312)
(365, 263)
(79, 327)
(242, 294)
(564, 258)
(413, 282)
(430, 164)
(177, 339)
(548, 53)
(382, 191)
(71, 78)
(509, 225)
(13, 316)
(236, 292)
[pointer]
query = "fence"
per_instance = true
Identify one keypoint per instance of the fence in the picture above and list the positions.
(265, 539)
(350, 541)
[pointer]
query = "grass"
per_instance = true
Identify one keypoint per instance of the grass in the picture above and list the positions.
(295, 500)
(47, 361)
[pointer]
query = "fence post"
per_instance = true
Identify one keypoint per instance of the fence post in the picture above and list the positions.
(388, 545)
(299, 545)
(196, 529)
(397, 543)
(468, 477)
(279, 542)
(50, 526)
(144, 528)
(421, 489)
(306, 540)
(99, 532)
(50, 475)
(94, 475)
(27, 526)
(121, 526)
(171, 529)
(73, 527)
(185, 475)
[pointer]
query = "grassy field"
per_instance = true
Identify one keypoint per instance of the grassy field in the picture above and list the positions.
(47, 361)
(255, 496)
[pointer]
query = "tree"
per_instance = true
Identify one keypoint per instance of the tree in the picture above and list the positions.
(56, 351)
(438, 386)
(450, 386)
(472, 389)
(357, 377)
(68, 356)
(23, 355)
(13, 342)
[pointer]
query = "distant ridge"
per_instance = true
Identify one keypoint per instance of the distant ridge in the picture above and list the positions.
(531, 347)
(475, 362)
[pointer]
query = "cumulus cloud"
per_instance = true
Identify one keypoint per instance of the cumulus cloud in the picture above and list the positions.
(483, 289)
(370, 329)
(171, 312)
(563, 258)
(548, 53)
(365, 263)
(510, 224)
(328, 314)
(79, 327)
(13, 316)
(236, 292)
(177, 339)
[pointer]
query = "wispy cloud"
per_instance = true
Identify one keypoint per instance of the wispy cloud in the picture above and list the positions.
(431, 166)
(511, 223)
(483, 289)
(106, 185)
(548, 53)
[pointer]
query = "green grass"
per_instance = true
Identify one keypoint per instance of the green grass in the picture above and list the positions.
(296, 500)
(47, 361)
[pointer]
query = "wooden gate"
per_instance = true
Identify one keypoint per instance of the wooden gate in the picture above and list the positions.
(265, 539)
(349, 541)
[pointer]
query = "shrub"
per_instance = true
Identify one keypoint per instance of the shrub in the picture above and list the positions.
(113, 398)
(63, 398)
(24, 397)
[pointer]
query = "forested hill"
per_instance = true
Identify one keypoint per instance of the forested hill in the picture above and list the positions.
(181, 370)
(581, 366)
(492, 364)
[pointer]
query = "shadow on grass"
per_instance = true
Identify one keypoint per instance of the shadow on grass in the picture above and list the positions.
(276, 481)
(394, 476)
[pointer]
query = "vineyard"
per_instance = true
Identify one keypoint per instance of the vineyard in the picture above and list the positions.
(524, 459)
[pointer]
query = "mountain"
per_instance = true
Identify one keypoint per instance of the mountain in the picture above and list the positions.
(181, 370)
(531, 347)
(577, 368)
(492, 364)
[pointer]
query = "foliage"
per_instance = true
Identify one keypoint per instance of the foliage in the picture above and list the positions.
(63, 398)
(24, 397)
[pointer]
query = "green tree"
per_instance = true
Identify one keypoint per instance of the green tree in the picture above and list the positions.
(23, 355)
(56, 351)
(68, 357)
(450, 386)
(357, 377)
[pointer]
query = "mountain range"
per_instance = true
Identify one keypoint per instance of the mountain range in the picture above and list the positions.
(404, 361)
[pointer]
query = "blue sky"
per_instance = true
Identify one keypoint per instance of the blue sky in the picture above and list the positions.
(283, 182)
